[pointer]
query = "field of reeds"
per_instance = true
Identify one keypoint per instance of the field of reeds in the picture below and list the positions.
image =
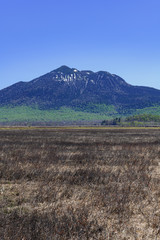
(79, 184)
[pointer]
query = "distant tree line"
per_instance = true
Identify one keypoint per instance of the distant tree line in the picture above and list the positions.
(134, 120)
(143, 118)
(115, 121)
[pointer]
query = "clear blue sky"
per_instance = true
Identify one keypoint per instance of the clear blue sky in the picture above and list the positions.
(119, 36)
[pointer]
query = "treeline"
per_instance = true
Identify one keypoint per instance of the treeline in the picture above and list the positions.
(143, 118)
(134, 120)
(115, 121)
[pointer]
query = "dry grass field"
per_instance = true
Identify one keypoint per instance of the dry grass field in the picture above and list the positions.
(81, 184)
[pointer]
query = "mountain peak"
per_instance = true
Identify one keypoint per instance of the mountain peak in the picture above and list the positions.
(64, 69)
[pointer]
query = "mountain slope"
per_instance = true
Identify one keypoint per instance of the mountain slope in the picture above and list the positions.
(72, 88)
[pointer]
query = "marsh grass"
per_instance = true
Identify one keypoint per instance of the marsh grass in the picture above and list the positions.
(79, 184)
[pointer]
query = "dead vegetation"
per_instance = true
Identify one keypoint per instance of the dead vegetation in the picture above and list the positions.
(80, 184)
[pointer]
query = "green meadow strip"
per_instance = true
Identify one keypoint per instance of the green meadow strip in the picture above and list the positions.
(25, 113)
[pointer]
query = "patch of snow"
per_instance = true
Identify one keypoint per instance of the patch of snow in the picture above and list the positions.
(74, 76)
(65, 79)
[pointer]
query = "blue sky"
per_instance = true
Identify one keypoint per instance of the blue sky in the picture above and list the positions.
(119, 36)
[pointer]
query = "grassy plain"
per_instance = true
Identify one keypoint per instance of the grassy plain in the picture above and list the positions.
(64, 183)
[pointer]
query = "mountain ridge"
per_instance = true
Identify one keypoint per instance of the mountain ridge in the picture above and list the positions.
(72, 88)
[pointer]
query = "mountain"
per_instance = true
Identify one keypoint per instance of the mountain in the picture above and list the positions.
(76, 89)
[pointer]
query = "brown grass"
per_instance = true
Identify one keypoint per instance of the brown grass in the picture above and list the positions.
(79, 184)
